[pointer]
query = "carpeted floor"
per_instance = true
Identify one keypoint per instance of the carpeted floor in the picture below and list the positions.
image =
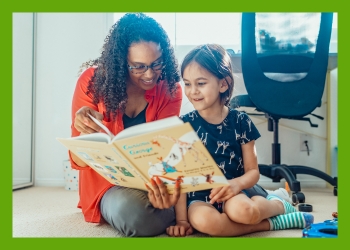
(52, 212)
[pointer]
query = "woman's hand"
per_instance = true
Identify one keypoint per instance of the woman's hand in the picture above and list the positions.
(224, 193)
(83, 123)
(158, 195)
(182, 228)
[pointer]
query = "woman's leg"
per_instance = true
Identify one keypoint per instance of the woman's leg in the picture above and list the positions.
(206, 219)
(129, 211)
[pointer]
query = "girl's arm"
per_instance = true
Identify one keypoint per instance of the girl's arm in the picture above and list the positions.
(182, 227)
(251, 170)
(247, 180)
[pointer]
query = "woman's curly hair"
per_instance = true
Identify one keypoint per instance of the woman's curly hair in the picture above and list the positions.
(108, 85)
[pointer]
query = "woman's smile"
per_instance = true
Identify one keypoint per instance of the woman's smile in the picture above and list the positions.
(148, 82)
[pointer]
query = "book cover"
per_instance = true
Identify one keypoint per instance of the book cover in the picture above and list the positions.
(164, 148)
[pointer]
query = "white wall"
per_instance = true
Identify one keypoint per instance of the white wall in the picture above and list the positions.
(334, 122)
(66, 40)
(22, 88)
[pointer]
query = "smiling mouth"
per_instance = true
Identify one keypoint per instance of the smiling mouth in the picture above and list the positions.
(197, 99)
(148, 82)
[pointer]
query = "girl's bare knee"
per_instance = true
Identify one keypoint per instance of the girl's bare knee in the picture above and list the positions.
(201, 222)
(254, 214)
(245, 213)
(208, 223)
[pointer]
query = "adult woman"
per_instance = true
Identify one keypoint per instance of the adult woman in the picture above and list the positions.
(135, 80)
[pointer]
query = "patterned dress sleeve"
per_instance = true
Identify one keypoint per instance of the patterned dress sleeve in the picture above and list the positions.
(184, 118)
(248, 130)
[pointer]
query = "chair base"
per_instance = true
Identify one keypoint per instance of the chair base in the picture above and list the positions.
(276, 172)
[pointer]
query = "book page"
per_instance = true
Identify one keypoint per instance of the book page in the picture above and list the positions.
(148, 127)
(102, 126)
(107, 162)
(97, 137)
(173, 153)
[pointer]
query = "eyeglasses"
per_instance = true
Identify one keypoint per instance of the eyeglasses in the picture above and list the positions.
(142, 69)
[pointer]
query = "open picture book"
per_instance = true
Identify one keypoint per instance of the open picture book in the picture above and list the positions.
(167, 148)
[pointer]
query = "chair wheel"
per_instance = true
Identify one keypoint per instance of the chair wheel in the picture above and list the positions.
(298, 198)
(335, 191)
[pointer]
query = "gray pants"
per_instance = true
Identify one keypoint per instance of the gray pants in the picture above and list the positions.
(130, 212)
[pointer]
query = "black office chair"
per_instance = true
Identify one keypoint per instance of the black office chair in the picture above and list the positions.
(284, 80)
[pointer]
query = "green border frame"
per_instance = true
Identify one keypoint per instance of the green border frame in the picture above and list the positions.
(160, 6)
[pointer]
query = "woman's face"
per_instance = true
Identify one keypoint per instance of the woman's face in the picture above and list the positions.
(140, 55)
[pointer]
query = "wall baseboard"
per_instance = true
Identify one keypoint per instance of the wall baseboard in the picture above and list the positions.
(49, 183)
(19, 181)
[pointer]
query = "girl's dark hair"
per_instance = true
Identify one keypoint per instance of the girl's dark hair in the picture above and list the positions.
(108, 84)
(216, 60)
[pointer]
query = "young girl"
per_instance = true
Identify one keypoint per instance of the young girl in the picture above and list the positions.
(229, 136)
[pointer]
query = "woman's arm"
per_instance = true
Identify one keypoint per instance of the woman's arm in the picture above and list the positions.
(82, 105)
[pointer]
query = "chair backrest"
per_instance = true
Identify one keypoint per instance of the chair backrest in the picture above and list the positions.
(285, 78)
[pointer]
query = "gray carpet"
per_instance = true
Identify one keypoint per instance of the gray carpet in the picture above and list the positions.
(52, 212)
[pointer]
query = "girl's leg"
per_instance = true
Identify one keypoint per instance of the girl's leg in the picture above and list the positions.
(243, 209)
(206, 219)
(129, 211)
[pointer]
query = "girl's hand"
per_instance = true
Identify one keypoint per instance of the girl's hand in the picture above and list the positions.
(158, 195)
(84, 124)
(224, 193)
(182, 228)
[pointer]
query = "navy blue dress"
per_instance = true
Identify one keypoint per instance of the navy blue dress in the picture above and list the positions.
(223, 142)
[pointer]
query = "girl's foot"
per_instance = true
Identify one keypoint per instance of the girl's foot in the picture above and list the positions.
(291, 220)
(288, 208)
(282, 193)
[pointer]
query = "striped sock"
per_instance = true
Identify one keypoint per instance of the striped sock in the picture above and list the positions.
(288, 208)
(291, 220)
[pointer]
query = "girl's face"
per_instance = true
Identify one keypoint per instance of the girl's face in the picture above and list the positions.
(140, 55)
(202, 88)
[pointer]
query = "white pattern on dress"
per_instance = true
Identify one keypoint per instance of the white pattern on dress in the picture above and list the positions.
(204, 141)
(222, 166)
(198, 129)
(220, 143)
(249, 124)
(192, 115)
(224, 146)
(240, 163)
(237, 135)
(189, 194)
(240, 115)
(219, 127)
(232, 155)
(244, 136)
